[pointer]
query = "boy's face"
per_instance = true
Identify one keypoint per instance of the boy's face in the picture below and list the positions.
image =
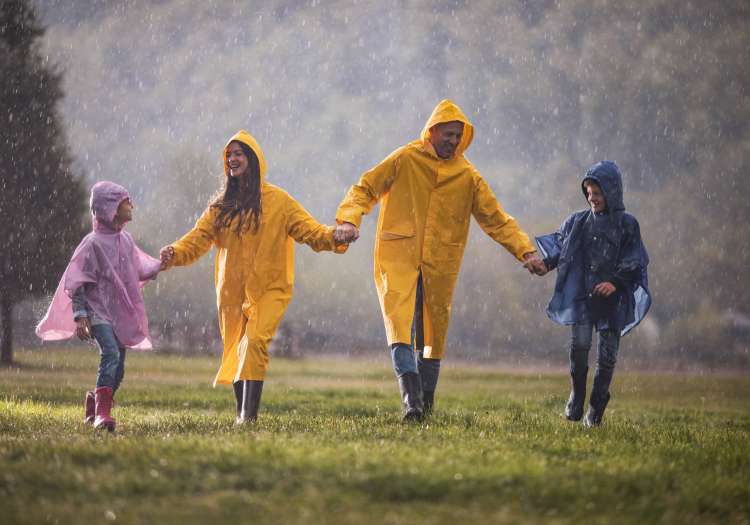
(124, 212)
(595, 196)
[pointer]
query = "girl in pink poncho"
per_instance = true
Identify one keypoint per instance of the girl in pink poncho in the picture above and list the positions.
(99, 296)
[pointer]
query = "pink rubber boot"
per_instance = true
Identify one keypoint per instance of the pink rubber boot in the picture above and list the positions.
(103, 409)
(90, 408)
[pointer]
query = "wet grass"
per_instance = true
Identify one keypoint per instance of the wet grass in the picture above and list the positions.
(330, 448)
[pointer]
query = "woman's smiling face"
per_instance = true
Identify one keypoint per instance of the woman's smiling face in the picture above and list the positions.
(236, 159)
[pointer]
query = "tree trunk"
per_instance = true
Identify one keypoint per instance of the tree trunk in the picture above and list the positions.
(6, 313)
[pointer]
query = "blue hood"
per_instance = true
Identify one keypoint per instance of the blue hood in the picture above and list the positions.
(607, 175)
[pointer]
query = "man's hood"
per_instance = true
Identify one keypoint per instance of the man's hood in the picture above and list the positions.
(607, 175)
(448, 111)
(106, 197)
(247, 139)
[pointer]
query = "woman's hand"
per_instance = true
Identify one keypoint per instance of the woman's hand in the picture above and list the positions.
(345, 233)
(83, 328)
(604, 289)
(165, 255)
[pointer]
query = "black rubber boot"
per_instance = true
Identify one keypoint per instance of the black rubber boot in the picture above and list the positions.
(574, 408)
(429, 372)
(237, 386)
(250, 401)
(428, 399)
(599, 398)
(411, 396)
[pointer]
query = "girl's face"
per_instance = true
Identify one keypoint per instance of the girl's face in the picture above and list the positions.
(124, 212)
(236, 159)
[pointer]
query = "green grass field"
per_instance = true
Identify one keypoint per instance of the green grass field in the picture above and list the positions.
(329, 447)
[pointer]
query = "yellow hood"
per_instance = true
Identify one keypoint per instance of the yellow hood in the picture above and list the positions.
(448, 111)
(247, 139)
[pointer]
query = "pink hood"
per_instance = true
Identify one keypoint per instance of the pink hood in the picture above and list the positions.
(109, 259)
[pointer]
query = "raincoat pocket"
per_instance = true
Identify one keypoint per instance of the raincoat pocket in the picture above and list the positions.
(396, 247)
(394, 234)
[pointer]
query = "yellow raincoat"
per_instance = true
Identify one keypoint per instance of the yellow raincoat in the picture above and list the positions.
(254, 271)
(425, 205)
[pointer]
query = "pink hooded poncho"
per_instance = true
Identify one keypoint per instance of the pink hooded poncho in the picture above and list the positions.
(109, 259)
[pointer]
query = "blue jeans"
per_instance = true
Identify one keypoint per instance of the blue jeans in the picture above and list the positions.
(580, 344)
(112, 357)
(404, 357)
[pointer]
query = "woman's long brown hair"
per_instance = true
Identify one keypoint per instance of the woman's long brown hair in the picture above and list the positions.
(240, 197)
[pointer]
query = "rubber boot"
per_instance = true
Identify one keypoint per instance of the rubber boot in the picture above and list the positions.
(577, 398)
(250, 401)
(599, 398)
(103, 409)
(90, 404)
(429, 372)
(237, 386)
(411, 396)
(428, 399)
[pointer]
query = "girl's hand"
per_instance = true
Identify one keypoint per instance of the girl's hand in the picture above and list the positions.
(165, 255)
(604, 289)
(83, 328)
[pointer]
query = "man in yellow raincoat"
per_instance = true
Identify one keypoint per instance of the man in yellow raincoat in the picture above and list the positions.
(427, 192)
(253, 225)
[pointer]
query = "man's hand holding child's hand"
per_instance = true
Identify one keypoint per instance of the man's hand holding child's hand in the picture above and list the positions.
(534, 264)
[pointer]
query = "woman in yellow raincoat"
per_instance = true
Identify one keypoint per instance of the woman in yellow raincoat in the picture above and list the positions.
(253, 225)
(427, 192)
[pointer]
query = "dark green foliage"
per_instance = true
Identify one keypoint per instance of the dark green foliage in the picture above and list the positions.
(42, 200)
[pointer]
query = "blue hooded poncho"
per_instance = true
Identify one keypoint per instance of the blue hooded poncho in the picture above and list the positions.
(618, 256)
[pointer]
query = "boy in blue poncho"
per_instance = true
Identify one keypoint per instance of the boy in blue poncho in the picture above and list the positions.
(601, 283)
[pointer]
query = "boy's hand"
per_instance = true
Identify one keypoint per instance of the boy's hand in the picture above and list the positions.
(345, 233)
(83, 328)
(165, 255)
(604, 289)
(534, 264)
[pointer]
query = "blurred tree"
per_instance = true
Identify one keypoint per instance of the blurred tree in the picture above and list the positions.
(42, 200)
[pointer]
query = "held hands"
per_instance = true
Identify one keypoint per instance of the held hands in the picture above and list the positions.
(83, 328)
(534, 264)
(345, 233)
(605, 289)
(166, 254)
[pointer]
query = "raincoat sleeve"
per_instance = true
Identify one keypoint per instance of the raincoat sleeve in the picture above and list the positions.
(496, 223)
(80, 306)
(147, 267)
(196, 242)
(633, 259)
(361, 197)
(303, 228)
(550, 245)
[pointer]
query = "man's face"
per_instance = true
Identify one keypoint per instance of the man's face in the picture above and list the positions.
(236, 159)
(595, 196)
(445, 138)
